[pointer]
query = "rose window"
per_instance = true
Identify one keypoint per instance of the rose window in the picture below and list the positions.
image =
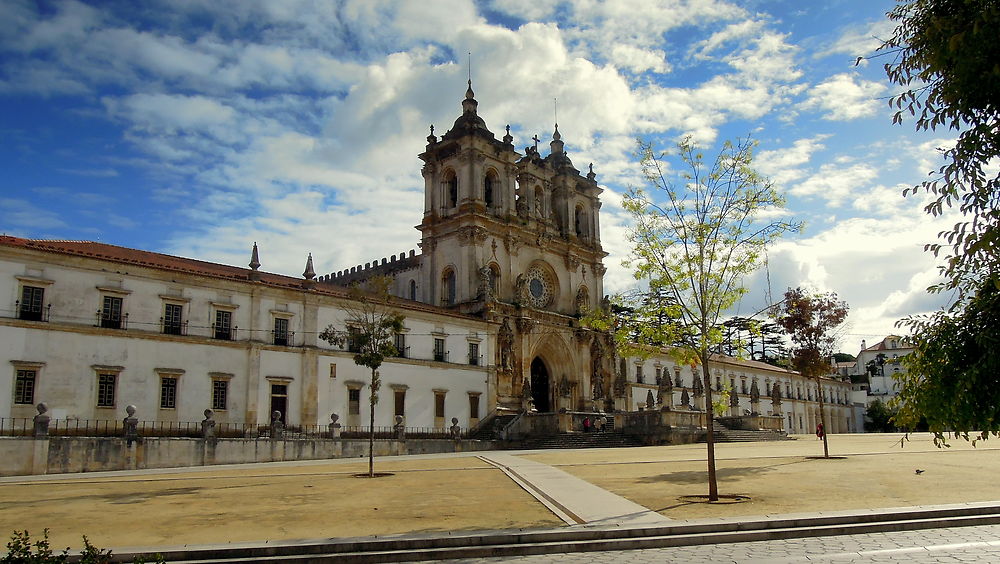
(539, 287)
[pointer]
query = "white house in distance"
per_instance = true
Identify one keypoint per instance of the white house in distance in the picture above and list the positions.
(881, 362)
(510, 259)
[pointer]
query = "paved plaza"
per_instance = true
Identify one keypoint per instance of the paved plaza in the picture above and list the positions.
(520, 490)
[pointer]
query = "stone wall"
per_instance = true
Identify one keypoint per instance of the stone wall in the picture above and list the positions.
(57, 455)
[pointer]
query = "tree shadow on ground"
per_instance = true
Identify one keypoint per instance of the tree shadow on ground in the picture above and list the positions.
(701, 476)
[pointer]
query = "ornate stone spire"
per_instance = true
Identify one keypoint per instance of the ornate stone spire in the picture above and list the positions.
(469, 104)
(254, 258)
(310, 273)
(432, 139)
(556, 144)
(591, 175)
(508, 139)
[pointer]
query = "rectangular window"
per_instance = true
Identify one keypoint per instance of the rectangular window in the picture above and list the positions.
(474, 354)
(400, 397)
(439, 404)
(353, 340)
(106, 389)
(223, 324)
(281, 331)
(24, 387)
(400, 344)
(168, 392)
(743, 387)
(220, 395)
(658, 376)
(474, 406)
(111, 312)
(30, 308)
(354, 401)
(172, 318)
(639, 378)
(439, 350)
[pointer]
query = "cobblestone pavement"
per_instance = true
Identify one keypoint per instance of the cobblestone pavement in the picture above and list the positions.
(960, 544)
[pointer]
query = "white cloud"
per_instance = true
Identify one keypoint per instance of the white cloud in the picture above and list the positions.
(785, 165)
(835, 183)
(844, 97)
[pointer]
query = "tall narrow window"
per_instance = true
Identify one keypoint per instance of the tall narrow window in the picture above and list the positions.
(172, 314)
(223, 327)
(281, 331)
(353, 340)
(30, 307)
(220, 395)
(106, 389)
(474, 354)
(448, 290)
(400, 402)
(168, 392)
(279, 401)
(111, 312)
(439, 354)
(451, 189)
(489, 187)
(639, 378)
(413, 290)
(474, 406)
(439, 405)
(24, 387)
(354, 401)
(580, 222)
(400, 345)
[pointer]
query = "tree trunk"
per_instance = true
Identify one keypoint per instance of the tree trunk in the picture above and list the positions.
(713, 485)
(822, 417)
(371, 430)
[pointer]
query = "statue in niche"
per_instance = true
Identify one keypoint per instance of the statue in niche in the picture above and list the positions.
(582, 301)
(596, 374)
(521, 289)
(485, 283)
(505, 343)
(564, 387)
(522, 207)
(539, 210)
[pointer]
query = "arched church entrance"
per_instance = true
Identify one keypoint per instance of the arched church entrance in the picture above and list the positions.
(540, 385)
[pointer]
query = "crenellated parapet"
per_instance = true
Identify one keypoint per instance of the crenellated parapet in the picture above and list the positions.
(387, 266)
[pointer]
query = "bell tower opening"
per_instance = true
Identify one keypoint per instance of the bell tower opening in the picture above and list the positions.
(540, 385)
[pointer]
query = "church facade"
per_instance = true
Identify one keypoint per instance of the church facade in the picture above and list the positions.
(510, 259)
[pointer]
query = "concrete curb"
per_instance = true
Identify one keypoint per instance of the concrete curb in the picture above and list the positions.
(585, 538)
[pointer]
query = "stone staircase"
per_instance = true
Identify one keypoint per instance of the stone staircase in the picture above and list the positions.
(724, 434)
(605, 439)
(488, 432)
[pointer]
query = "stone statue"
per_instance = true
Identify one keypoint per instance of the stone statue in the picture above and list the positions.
(522, 207)
(685, 398)
(650, 402)
(130, 426)
(620, 385)
(527, 399)
(277, 425)
(41, 421)
(582, 301)
(754, 392)
(597, 372)
(485, 283)
(505, 344)
(521, 289)
(776, 398)
(208, 425)
(564, 387)
(665, 391)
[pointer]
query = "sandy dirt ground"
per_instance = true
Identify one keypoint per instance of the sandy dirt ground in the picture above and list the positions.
(782, 477)
(461, 493)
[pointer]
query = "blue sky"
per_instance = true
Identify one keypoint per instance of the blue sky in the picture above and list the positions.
(198, 127)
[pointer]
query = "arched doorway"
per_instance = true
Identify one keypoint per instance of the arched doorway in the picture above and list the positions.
(540, 385)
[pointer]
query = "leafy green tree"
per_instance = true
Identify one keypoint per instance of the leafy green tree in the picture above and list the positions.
(811, 320)
(945, 57)
(370, 332)
(952, 378)
(694, 238)
(879, 418)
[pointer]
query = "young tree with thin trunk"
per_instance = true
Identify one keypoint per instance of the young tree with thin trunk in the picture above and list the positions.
(370, 332)
(811, 320)
(694, 240)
